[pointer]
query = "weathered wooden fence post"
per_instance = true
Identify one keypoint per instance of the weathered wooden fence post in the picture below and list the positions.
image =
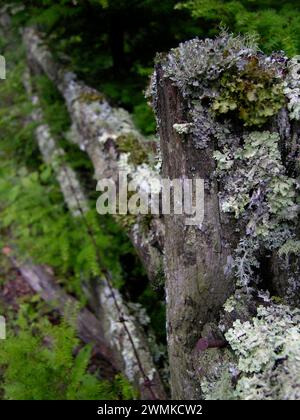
(223, 116)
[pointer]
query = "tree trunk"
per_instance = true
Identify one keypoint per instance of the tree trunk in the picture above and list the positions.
(197, 262)
(201, 261)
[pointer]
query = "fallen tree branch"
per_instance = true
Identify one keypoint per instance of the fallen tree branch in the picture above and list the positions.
(55, 156)
(99, 129)
(89, 328)
(123, 335)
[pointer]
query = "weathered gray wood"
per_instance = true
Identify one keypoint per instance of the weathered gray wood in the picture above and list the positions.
(88, 326)
(196, 260)
(55, 156)
(108, 334)
(112, 331)
(205, 263)
(96, 128)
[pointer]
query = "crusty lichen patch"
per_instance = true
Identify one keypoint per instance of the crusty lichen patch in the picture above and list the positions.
(258, 180)
(231, 74)
(240, 103)
(257, 189)
(268, 348)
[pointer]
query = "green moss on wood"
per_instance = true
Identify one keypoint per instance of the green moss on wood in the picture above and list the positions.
(128, 143)
(91, 96)
(127, 221)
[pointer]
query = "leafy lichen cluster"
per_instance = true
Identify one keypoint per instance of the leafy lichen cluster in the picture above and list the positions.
(256, 179)
(228, 77)
(292, 87)
(255, 93)
(258, 191)
(197, 62)
(291, 246)
(268, 347)
(230, 73)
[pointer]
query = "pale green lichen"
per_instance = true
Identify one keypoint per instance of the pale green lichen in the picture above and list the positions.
(231, 75)
(143, 179)
(257, 180)
(195, 67)
(221, 386)
(245, 262)
(225, 160)
(184, 128)
(292, 87)
(254, 93)
(290, 247)
(228, 85)
(197, 61)
(229, 305)
(257, 190)
(268, 348)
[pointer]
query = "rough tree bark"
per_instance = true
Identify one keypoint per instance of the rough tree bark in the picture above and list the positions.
(199, 269)
(197, 264)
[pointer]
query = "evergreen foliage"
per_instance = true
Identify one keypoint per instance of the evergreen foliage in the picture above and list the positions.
(42, 361)
(276, 23)
(104, 41)
(42, 228)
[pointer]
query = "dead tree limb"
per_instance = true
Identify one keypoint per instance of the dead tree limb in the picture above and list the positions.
(89, 328)
(112, 329)
(55, 156)
(102, 130)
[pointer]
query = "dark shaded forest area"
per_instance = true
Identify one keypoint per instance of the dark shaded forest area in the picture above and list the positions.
(144, 305)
